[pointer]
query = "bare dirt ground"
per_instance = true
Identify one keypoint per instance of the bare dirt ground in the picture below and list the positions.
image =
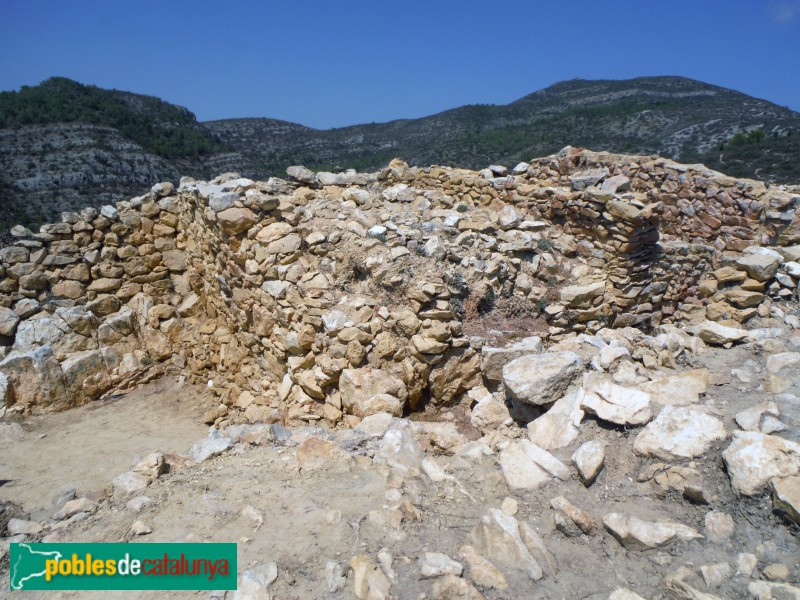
(312, 517)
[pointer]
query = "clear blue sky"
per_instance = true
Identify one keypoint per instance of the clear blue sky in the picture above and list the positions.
(330, 63)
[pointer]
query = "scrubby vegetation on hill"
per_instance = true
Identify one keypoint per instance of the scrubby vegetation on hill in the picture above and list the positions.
(158, 127)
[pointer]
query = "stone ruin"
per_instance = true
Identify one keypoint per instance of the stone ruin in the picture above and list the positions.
(328, 297)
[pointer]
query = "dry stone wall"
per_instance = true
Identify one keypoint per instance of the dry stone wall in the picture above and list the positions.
(331, 296)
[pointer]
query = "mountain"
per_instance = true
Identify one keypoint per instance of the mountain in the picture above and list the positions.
(64, 145)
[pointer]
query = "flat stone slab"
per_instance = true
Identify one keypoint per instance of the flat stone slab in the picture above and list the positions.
(679, 432)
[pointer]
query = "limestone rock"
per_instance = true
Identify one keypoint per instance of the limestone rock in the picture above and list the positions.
(719, 526)
(635, 533)
(451, 587)
(541, 378)
(569, 516)
(560, 425)
(678, 390)
(761, 267)
(526, 466)
(369, 582)
(498, 538)
(482, 571)
(255, 582)
(314, 454)
(589, 459)
(8, 321)
(615, 403)
(214, 445)
(129, 483)
(719, 335)
(752, 459)
(679, 432)
(359, 388)
(762, 417)
(786, 497)
(436, 564)
(489, 413)
(236, 220)
(494, 359)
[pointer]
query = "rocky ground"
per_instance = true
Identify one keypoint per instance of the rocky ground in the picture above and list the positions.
(679, 481)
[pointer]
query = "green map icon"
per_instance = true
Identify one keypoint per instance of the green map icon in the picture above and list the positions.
(27, 564)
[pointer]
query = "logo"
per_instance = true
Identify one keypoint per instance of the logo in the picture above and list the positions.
(85, 566)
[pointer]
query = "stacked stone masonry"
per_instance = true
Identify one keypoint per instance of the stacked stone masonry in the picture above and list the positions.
(326, 297)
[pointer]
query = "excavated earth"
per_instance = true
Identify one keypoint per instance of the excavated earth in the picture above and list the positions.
(564, 389)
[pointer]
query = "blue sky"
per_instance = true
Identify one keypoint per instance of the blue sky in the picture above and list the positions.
(328, 63)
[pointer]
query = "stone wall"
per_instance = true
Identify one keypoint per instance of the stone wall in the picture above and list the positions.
(330, 296)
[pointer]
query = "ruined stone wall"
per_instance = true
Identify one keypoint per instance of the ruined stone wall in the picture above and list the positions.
(695, 204)
(331, 296)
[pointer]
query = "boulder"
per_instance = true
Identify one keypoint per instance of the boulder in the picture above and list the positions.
(719, 335)
(786, 497)
(753, 459)
(636, 534)
(541, 378)
(498, 538)
(679, 432)
(677, 390)
(526, 466)
(761, 267)
(494, 359)
(560, 425)
(234, 221)
(35, 379)
(615, 403)
(589, 459)
(360, 386)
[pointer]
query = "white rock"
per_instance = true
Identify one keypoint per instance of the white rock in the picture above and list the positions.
(679, 432)
(752, 459)
(130, 482)
(786, 497)
(752, 419)
(335, 576)
(560, 425)
(527, 466)
(494, 359)
(719, 526)
(213, 445)
(436, 564)
(635, 533)
(400, 449)
(589, 459)
(369, 582)
(375, 425)
(541, 378)
(678, 390)
(254, 583)
(615, 403)
(140, 528)
(23, 527)
(498, 538)
(719, 335)
(624, 594)
(489, 414)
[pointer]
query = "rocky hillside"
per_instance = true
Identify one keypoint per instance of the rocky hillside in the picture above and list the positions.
(64, 145)
(676, 117)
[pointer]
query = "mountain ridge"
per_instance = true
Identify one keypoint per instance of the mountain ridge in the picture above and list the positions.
(64, 145)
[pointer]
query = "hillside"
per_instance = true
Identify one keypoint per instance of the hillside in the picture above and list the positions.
(672, 116)
(64, 145)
